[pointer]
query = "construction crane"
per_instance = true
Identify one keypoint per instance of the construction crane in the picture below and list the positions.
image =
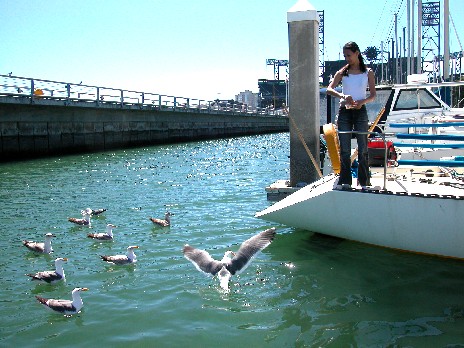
(277, 64)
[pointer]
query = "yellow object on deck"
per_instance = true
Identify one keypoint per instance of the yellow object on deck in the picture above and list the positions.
(38, 92)
(333, 146)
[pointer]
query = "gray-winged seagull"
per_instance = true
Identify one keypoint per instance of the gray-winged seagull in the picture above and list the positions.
(108, 235)
(85, 221)
(163, 223)
(122, 259)
(232, 263)
(45, 248)
(65, 306)
(96, 211)
(51, 276)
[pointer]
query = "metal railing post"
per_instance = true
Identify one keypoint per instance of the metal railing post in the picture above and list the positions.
(32, 91)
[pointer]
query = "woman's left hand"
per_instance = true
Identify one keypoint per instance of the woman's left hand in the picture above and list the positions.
(357, 104)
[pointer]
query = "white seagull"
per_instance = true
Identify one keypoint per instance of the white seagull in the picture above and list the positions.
(232, 263)
(51, 276)
(85, 221)
(122, 259)
(108, 235)
(45, 248)
(163, 223)
(65, 306)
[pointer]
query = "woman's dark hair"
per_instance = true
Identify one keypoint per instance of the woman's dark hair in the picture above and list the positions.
(353, 47)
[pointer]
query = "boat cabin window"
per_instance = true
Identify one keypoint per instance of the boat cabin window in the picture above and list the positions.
(416, 99)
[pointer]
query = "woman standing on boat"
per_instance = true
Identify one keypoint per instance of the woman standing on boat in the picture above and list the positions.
(352, 115)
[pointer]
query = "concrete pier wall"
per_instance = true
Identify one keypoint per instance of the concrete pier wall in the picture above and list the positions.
(36, 130)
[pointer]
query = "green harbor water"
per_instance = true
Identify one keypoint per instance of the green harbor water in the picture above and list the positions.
(304, 290)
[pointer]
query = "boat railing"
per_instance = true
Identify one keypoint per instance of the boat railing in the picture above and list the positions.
(450, 142)
(439, 163)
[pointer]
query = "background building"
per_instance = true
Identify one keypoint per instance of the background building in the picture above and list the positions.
(248, 98)
(273, 93)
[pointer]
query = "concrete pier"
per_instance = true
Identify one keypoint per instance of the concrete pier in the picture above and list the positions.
(303, 33)
(45, 128)
(304, 96)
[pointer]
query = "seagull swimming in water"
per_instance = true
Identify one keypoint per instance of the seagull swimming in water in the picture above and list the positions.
(122, 259)
(65, 306)
(94, 212)
(163, 223)
(51, 276)
(45, 248)
(85, 221)
(108, 235)
(232, 263)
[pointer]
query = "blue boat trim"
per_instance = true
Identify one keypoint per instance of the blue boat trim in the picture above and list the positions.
(432, 163)
(420, 125)
(431, 136)
(430, 146)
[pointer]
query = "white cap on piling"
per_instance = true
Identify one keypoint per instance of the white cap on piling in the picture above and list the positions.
(302, 11)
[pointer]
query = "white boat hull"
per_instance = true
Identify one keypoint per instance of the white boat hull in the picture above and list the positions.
(432, 223)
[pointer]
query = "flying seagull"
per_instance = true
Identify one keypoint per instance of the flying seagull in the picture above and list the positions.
(51, 276)
(232, 263)
(108, 235)
(163, 223)
(45, 247)
(122, 259)
(65, 306)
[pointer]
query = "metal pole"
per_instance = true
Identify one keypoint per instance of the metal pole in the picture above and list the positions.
(387, 67)
(396, 49)
(408, 61)
(412, 38)
(32, 91)
(446, 61)
(419, 36)
(393, 68)
(399, 66)
(381, 62)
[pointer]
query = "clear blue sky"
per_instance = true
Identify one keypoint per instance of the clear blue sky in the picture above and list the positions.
(198, 49)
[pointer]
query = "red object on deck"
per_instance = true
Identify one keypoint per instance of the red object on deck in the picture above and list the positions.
(376, 151)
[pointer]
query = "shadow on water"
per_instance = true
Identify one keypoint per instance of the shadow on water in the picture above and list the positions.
(344, 293)
(43, 287)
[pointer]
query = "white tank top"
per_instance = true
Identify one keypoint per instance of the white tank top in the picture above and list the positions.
(355, 85)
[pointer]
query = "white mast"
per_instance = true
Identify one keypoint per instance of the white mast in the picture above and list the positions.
(408, 56)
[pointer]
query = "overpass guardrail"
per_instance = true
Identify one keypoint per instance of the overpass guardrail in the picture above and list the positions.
(31, 90)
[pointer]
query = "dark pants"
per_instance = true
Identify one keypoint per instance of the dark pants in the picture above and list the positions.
(353, 120)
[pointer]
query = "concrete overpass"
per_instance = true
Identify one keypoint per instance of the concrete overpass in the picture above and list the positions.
(43, 118)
